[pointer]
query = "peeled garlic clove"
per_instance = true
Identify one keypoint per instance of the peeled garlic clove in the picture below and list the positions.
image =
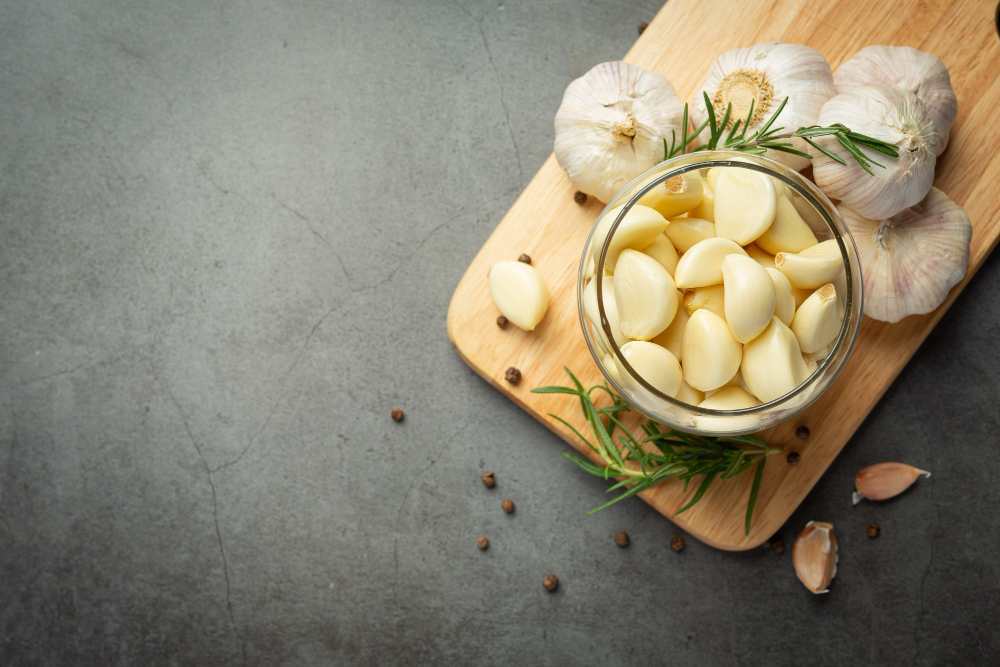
(711, 297)
(799, 294)
(772, 362)
(911, 261)
(688, 394)
(706, 207)
(654, 364)
(904, 67)
(611, 124)
(599, 340)
(663, 251)
(729, 398)
(672, 337)
(591, 269)
(813, 267)
(612, 368)
(701, 265)
(756, 254)
(817, 321)
(784, 298)
(745, 202)
(885, 480)
(645, 294)
(610, 310)
(686, 232)
(640, 227)
(749, 297)
(678, 194)
(789, 232)
(519, 292)
(894, 116)
(711, 354)
(815, 556)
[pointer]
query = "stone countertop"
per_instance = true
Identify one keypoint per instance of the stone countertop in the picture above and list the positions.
(230, 234)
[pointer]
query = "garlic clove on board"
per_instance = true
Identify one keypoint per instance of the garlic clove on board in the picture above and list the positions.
(711, 297)
(749, 297)
(701, 265)
(789, 232)
(611, 124)
(672, 337)
(744, 204)
(519, 292)
(767, 73)
(813, 267)
(756, 254)
(885, 480)
(676, 195)
(784, 299)
(894, 116)
(645, 294)
(817, 321)
(590, 307)
(711, 354)
(663, 251)
(730, 398)
(640, 227)
(772, 362)
(654, 364)
(814, 556)
(904, 67)
(686, 232)
(910, 261)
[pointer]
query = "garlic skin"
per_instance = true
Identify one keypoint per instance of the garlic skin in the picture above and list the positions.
(815, 556)
(784, 298)
(654, 364)
(730, 398)
(749, 297)
(610, 310)
(817, 321)
(640, 227)
(663, 251)
(761, 257)
(789, 232)
(910, 262)
(744, 204)
(674, 196)
(767, 73)
(904, 67)
(813, 267)
(672, 337)
(519, 292)
(712, 297)
(885, 480)
(894, 116)
(711, 354)
(772, 362)
(686, 232)
(645, 294)
(701, 265)
(611, 125)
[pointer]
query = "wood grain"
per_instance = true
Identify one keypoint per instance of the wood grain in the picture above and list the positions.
(546, 223)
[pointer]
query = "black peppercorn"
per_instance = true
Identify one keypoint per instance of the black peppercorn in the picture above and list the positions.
(397, 414)
(512, 375)
(802, 432)
(874, 530)
(778, 546)
(677, 542)
(642, 27)
(793, 458)
(502, 322)
(621, 538)
(550, 582)
(507, 505)
(488, 479)
(580, 198)
(524, 258)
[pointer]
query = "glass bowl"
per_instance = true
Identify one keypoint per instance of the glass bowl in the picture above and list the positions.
(825, 222)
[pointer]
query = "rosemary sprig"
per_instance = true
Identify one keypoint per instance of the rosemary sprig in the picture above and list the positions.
(767, 137)
(677, 454)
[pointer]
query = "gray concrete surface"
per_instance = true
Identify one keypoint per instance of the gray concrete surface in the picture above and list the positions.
(230, 232)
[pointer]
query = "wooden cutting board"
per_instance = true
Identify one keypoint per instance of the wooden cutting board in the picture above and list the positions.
(545, 222)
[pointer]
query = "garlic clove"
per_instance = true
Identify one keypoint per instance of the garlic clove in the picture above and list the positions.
(519, 292)
(817, 321)
(599, 340)
(772, 362)
(711, 354)
(610, 310)
(894, 116)
(591, 269)
(654, 364)
(885, 480)
(910, 261)
(729, 398)
(686, 232)
(815, 556)
(701, 265)
(784, 298)
(813, 267)
(673, 336)
(810, 364)
(610, 126)
(749, 297)
(645, 294)
(711, 297)
(756, 254)
(789, 232)
(706, 207)
(663, 251)
(674, 196)
(799, 294)
(904, 67)
(745, 203)
(688, 394)
(612, 368)
(640, 227)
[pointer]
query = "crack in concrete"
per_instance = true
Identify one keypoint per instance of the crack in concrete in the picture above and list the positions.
(308, 221)
(68, 371)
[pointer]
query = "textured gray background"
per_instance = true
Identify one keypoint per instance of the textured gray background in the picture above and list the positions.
(230, 232)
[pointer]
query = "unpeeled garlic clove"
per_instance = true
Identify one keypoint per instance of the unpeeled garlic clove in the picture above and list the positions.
(784, 297)
(686, 232)
(815, 556)
(789, 232)
(678, 194)
(645, 294)
(749, 297)
(711, 297)
(711, 354)
(701, 265)
(813, 267)
(654, 364)
(690, 395)
(817, 321)
(663, 251)
(758, 255)
(730, 398)
(885, 480)
(519, 292)
(744, 204)
(772, 362)
(640, 227)
(672, 337)
(610, 310)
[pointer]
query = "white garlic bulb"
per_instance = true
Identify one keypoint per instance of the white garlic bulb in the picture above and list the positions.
(894, 116)
(912, 260)
(767, 73)
(611, 125)
(904, 67)
(519, 292)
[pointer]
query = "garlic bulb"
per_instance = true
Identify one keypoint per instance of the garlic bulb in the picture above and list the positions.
(817, 321)
(701, 265)
(744, 204)
(654, 364)
(772, 362)
(904, 67)
(767, 73)
(894, 116)
(611, 125)
(784, 298)
(711, 354)
(749, 297)
(710, 297)
(912, 260)
(640, 227)
(813, 267)
(645, 294)
(685, 232)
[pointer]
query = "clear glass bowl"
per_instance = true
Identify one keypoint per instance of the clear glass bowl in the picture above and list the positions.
(826, 223)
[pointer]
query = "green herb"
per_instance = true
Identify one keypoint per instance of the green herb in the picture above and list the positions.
(678, 454)
(767, 137)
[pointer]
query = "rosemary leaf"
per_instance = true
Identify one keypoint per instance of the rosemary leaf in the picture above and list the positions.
(754, 489)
